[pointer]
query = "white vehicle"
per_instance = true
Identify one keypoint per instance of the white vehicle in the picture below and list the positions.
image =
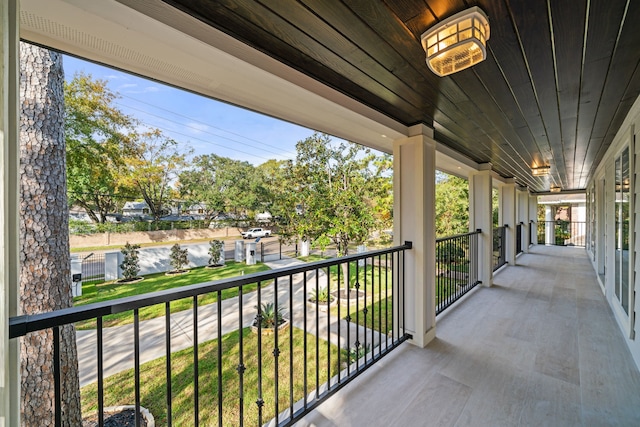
(256, 232)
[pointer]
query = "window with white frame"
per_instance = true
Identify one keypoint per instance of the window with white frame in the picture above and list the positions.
(622, 188)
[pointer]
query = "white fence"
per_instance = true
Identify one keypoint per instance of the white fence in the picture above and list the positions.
(155, 260)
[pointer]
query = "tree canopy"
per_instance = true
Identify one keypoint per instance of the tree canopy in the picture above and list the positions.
(98, 139)
(152, 169)
(221, 184)
(452, 205)
(334, 188)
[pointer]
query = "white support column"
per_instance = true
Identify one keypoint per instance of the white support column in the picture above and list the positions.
(533, 216)
(480, 217)
(508, 217)
(549, 235)
(414, 167)
(524, 218)
(9, 201)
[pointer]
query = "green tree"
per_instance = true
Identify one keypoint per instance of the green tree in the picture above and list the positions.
(45, 279)
(202, 184)
(334, 189)
(271, 175)
(452, 205)
(152, 169)
(384, 188)
(98, 138)
(244, 191)
(221, 184)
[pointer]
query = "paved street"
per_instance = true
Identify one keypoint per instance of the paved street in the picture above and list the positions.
(118, 342)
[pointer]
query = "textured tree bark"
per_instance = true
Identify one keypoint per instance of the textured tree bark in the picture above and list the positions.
(45, 282)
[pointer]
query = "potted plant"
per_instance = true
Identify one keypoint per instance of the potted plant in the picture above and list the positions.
(353, 354)
(321, 298)
(130, 265)
(269, 318)
(178, 259)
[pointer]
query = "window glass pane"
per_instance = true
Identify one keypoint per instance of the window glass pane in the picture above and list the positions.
(466, 34)
(464, 24)
(624, 217)
(618, 241)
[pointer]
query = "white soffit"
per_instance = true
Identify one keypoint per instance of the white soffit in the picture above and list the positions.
(154, 40)
(196, 57)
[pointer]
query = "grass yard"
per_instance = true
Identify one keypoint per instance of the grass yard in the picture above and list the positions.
(379, 315)
(119, 388)
(374, 313)
(92, 292)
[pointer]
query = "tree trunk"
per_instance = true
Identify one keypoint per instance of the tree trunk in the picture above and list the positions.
(45, 282)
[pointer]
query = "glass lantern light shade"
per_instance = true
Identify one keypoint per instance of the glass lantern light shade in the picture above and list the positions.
(458, 42)
(540, 171)
(555, 189)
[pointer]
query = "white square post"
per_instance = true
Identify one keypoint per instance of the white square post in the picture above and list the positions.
(533, 218)
(481, 218)
(414, 166)
(507, 215)
(522, 196)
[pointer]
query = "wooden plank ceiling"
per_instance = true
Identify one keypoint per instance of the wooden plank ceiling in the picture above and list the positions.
(559, 79)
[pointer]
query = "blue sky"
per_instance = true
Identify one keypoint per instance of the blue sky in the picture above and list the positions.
(206, 125)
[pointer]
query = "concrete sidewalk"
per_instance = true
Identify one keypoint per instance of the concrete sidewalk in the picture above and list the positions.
(118, 342)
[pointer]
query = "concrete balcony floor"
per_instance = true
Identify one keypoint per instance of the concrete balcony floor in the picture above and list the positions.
(539, 348)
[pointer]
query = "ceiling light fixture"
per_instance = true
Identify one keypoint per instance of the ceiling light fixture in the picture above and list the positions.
(541, 171)
(555, 189)
(458, 42)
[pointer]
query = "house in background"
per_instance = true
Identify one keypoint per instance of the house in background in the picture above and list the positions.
(135, 209)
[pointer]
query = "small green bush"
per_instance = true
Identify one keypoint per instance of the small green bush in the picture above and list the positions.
(130, 267)
(215, 252)
(178, 257)
(269, 315)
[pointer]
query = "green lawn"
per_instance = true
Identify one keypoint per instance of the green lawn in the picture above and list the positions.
(378, 284)
(379, 315)
(92, 292)
(119, 388)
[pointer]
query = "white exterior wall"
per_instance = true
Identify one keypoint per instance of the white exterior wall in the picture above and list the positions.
(604, 261)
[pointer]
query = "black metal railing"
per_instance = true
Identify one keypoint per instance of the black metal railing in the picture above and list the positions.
(235, 368)
(519, 238)
(93, 268)
(270, 250)
(499, 247)
(456, 268)
(562, 233)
